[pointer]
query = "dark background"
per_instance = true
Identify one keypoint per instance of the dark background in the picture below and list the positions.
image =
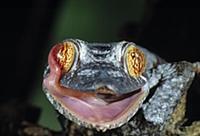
(169, 29)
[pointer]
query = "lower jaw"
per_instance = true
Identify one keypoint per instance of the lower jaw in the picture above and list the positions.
(94, 113)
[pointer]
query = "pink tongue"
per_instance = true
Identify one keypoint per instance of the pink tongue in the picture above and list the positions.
(97, 110)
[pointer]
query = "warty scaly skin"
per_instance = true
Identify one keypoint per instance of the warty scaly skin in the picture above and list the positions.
(169, 83)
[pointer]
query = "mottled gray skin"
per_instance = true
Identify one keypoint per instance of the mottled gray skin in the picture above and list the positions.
(102, 65)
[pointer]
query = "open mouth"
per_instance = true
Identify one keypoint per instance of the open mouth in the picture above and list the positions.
(101, 111)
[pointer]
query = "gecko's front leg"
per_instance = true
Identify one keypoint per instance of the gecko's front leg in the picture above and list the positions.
(170, 82)
(173, 80)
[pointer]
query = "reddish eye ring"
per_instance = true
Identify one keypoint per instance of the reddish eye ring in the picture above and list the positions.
(62, 56)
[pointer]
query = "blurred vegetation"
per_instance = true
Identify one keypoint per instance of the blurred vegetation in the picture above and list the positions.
(92, 21)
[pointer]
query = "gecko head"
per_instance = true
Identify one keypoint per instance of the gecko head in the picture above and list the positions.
(96, 85)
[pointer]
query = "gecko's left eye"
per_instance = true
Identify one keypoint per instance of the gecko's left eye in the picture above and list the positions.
(135, 61)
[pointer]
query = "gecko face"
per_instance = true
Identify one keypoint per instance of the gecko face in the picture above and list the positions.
(96, 85)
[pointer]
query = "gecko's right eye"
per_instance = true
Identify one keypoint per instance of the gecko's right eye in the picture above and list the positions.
(66, 55)
(62, 56)
(135, 61)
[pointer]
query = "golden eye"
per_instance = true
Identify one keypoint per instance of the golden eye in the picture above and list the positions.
(135, 61)
(66, 55)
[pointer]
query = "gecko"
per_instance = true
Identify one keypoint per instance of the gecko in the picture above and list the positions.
(116, 88)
